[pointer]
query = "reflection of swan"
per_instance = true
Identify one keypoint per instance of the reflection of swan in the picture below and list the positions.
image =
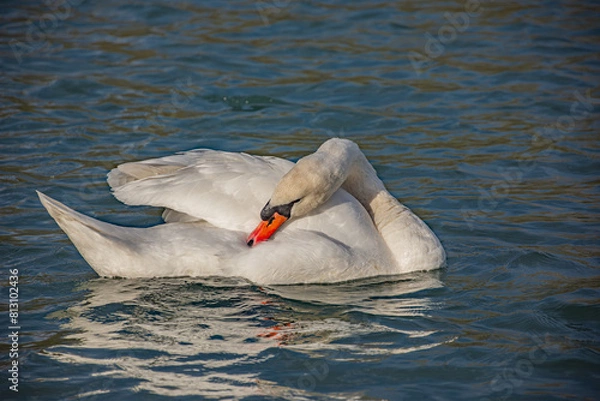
(212, 198)
(210, 337)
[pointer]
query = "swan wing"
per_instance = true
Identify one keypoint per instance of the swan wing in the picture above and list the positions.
(225, 189)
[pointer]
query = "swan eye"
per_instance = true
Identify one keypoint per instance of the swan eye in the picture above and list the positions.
(286, 210)
(267, 212)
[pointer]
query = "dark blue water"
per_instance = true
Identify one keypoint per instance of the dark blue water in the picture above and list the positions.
(482, 117)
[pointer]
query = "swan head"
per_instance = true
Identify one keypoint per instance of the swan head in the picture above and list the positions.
(309, 184)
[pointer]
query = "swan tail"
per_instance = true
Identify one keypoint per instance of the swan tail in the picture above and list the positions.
(94, 239)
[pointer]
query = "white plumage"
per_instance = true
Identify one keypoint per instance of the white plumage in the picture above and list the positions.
(213, 199)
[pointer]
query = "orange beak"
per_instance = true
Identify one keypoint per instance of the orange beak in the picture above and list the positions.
(266, 229)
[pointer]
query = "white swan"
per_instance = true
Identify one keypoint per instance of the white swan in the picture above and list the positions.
(343, 223)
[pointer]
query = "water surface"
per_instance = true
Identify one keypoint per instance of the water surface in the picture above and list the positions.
(486, 126)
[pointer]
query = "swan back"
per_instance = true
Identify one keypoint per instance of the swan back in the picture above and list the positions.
(340, 163)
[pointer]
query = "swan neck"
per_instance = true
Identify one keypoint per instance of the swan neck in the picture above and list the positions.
(363, 183)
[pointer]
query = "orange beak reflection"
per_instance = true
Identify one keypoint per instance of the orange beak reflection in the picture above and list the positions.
(266, 229)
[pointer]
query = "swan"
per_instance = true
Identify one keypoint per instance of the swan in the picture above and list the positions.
(327, 218)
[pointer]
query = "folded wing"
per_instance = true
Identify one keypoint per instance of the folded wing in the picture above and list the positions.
(225, 189)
